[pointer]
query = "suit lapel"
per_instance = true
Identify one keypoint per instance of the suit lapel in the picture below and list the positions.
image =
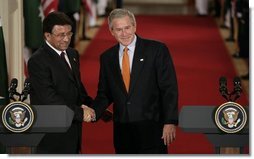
(74, 67)
(137, 64)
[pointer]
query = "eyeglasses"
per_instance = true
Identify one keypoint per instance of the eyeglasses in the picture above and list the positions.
(62, 35)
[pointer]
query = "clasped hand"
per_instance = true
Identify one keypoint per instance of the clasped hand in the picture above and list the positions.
(88, 114)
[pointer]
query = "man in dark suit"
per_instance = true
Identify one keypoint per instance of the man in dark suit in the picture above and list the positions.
(55, 80)
(138, 76)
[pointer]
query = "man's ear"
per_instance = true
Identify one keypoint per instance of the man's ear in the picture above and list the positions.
(47, 36)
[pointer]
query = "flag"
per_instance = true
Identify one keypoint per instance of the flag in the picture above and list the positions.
(33, 16)
(4, 95)
(49, 6)
(88, 6)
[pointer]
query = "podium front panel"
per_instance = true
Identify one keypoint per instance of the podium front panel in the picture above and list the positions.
(20, 140)
(49, 118)
(201, 119)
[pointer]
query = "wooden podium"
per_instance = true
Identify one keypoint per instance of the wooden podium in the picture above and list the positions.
(200, 119)
(48, 119)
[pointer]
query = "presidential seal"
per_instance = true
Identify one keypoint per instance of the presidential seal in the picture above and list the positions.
(17, 117)
(230, 117)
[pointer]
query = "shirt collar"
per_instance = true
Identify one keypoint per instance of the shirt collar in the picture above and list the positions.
(131, 47)
(57, 51)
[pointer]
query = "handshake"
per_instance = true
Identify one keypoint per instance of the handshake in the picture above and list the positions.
(89, 114)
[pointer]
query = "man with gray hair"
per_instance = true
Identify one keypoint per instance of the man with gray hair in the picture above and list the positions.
(137, 75)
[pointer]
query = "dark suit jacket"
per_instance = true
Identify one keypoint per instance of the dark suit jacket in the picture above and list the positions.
(53, 84)
(153, 93)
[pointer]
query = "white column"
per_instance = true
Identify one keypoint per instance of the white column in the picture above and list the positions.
(11, 12)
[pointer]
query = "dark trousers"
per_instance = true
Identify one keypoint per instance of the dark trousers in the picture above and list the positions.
(139, 138)
(61, 143)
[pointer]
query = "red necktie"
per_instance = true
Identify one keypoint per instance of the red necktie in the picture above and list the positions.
(126, 69)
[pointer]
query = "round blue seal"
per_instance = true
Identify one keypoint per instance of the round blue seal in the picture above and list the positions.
(230, 117)
(17, 117)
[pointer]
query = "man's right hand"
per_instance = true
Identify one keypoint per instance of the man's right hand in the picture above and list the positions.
(89, 114)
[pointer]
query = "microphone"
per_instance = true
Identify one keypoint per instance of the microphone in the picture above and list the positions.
(237, 87)
(223, 87)
(12, 88)
(26, 90)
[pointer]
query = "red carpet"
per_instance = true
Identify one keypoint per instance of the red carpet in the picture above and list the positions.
(200, 58)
